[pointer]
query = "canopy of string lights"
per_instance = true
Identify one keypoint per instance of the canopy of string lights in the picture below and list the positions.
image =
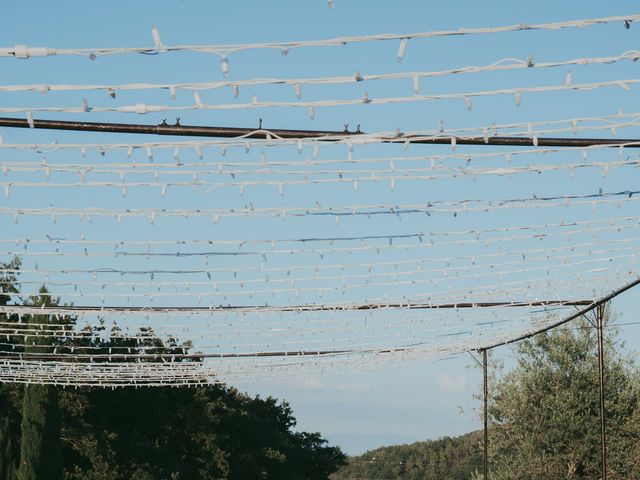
(267, 251)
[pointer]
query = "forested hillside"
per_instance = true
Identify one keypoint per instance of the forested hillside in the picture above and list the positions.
(449, 458)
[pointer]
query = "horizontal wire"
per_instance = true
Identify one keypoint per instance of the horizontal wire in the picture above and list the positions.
(226, 49)
(504, 64)
(266, 168)
(612, 222)
(342, 177)
(142, 108)
(469, 205)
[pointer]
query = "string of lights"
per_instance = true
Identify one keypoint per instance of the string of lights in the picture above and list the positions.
(353, 177)
(505, 64)
(190, 303)
(143, 108)
(395, 280)
(612, 222)
(439, 207)
(456, 299)
(25, 52)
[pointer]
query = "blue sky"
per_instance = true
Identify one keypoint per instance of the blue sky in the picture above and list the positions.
(419, 399)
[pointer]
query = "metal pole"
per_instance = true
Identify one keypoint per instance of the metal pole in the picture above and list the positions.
(579, 313)
(332, 135)
(176, 129)
(486, 425)
(603, 434)
(309, 307)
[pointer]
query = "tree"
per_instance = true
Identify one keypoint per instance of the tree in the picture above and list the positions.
(444, 459)
(546, 410)
(40, 441)
(40, 450)
(203, 433)
(8, 433)
(9, 394)
(9, 279)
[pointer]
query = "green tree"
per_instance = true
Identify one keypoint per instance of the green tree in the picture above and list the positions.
(40, 441)
(444, 459)
(546, 411)
(9, 394)
(8, 433)
(40, 449)
(204, 433)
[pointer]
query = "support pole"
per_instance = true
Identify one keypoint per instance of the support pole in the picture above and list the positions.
(579, 313)
(603, 433)
(486, 425)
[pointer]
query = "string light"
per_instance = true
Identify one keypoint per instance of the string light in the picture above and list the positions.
(23, 51)
(435, 206)
(141, 108)
(309, 176)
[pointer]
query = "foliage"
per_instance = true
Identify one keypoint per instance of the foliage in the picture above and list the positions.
(547, 409)
(444, 459)
(9, 431)
(207, 433)
(9, 279)
(202, 433)
(40, 442)
(199, 433)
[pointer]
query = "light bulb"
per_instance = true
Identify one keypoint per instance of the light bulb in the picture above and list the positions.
(568, 78)
(416, 85)
(402, 48)
(224, 66)
(156, 37)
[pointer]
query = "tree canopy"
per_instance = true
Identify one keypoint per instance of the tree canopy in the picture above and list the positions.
(199, 433)
(546, 410)
(449, 458)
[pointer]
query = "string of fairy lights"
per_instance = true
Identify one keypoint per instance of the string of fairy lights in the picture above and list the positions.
(198, 261)
(311, 106)
(509, 63)
(25, 52)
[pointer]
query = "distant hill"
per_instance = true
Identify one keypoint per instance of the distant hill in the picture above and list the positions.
(449, 458)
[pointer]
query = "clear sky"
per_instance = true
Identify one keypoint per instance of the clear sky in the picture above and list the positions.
(414, 400)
